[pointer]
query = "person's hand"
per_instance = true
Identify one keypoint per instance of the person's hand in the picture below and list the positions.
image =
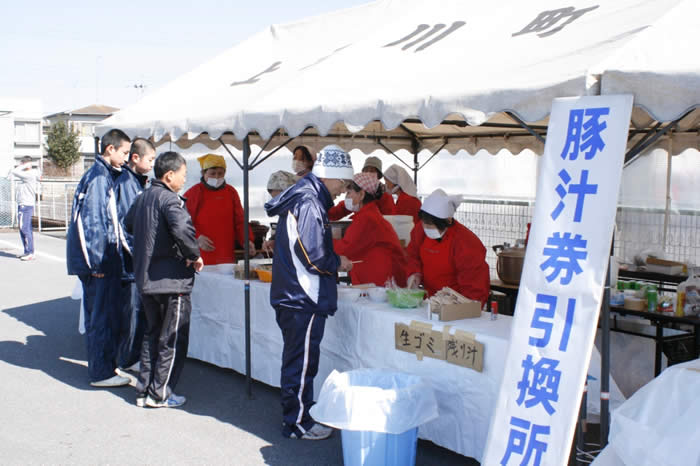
(251, 249)
(98, 275)
(269, 246)
(345, 264)
(198, 264)
(414, 281)
(205, 244)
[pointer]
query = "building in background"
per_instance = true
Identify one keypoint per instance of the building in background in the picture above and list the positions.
(20, 132)
(82, 120)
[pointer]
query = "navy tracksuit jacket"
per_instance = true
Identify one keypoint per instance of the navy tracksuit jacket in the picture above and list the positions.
(95, 245)
(303, 291)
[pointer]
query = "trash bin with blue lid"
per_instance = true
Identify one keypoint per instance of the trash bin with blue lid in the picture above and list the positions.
(379, 413)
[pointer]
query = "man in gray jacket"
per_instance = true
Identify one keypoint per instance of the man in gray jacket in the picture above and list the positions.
(27, 180)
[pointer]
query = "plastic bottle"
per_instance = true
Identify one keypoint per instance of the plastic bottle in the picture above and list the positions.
(494, 310)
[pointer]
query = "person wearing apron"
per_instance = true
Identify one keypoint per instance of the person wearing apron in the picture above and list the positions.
(445, 253)
(217, 214)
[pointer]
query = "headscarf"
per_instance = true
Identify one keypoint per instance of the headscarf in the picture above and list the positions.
(281, 180)
(211, 160)
(367, 181)
(400, 177)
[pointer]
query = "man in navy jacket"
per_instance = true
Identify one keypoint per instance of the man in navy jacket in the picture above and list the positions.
(304, 283)
(127, 187)
(95, 245)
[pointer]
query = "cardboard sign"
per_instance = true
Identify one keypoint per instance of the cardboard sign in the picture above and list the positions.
(420, 339)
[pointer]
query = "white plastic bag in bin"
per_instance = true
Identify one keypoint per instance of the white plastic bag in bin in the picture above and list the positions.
(375, 400)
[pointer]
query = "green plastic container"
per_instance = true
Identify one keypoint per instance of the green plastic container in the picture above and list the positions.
(405, 298)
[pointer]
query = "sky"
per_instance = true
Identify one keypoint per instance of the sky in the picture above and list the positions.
(77, 53)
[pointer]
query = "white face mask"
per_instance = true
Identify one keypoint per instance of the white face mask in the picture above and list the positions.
(433, 233)
(298, 166)
(350, 205)
(215, 182)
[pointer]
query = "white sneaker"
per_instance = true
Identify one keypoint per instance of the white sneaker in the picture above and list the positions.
(28, 257)
(116, 381)
(317, 432)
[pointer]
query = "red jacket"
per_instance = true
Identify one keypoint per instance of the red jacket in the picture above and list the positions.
(218, 215)
(371, 239)
(457, 260)
(408, 205)
(385, 204)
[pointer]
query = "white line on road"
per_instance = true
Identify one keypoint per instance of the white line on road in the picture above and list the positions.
(36, 253)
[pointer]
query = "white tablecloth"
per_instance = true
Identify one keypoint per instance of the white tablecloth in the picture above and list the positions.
(361, 334)
(659, 425)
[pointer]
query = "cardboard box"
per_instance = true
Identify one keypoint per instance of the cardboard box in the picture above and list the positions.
(664, 266)
(450, 312)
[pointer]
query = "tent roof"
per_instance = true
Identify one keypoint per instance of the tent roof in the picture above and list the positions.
(452, 73)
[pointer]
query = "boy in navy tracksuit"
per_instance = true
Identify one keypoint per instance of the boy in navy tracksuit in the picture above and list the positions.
(304, 283)
(128, 186)
(94, 249)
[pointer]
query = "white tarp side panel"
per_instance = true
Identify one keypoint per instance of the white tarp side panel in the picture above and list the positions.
(397, 59)
(660, 67)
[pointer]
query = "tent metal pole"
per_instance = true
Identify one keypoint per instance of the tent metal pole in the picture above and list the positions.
(255, 164)
(434, 154)
(646, 142)
(416, 166)
(669, 167)
(525, 126)
(246, 240)
(240, 165)
(381, 144)
(605, 356)
(267, 143)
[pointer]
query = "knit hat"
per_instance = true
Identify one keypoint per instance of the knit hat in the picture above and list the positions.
(439, 204)
(367, 181)
(281, 180)
(211, 160)
(374, 162)
(399, 176)
(333, 163)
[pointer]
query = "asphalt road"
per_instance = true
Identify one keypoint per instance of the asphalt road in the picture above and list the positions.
(49, 414)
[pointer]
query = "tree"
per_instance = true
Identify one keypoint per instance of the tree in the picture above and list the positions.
(63, 145)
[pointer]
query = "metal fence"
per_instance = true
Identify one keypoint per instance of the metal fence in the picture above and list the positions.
(7, 203)
(638, 230)
(54, 206)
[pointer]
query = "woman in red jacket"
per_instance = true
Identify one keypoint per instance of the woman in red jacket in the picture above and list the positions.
(399, 183)
(217, 214)
(445, 253)
(384, 201)
(370, 238)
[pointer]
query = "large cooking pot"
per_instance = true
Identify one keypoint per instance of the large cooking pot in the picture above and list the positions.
(510, 263)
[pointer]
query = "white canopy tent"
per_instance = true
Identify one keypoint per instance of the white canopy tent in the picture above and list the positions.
(448, 74)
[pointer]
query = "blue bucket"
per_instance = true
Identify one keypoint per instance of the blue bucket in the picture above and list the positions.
(364, 448)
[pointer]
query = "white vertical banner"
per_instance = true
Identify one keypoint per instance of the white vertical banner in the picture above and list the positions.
(561, 288)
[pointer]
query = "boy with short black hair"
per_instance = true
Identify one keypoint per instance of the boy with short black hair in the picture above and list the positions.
(166, 256)
(95, 246)
(129, 185)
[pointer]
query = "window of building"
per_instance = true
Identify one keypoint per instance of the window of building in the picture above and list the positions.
(27, 132)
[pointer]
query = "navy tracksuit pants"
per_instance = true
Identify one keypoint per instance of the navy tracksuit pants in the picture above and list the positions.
(302, 333)
(133, 327)
(24, 218)
(102, 303)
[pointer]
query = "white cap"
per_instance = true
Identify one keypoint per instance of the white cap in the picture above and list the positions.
(333, 163)
(441, 205)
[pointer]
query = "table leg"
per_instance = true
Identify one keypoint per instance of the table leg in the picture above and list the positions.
(659, 343)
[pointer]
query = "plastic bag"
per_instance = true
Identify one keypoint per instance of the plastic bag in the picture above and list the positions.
(688, 295)
(375, 400)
